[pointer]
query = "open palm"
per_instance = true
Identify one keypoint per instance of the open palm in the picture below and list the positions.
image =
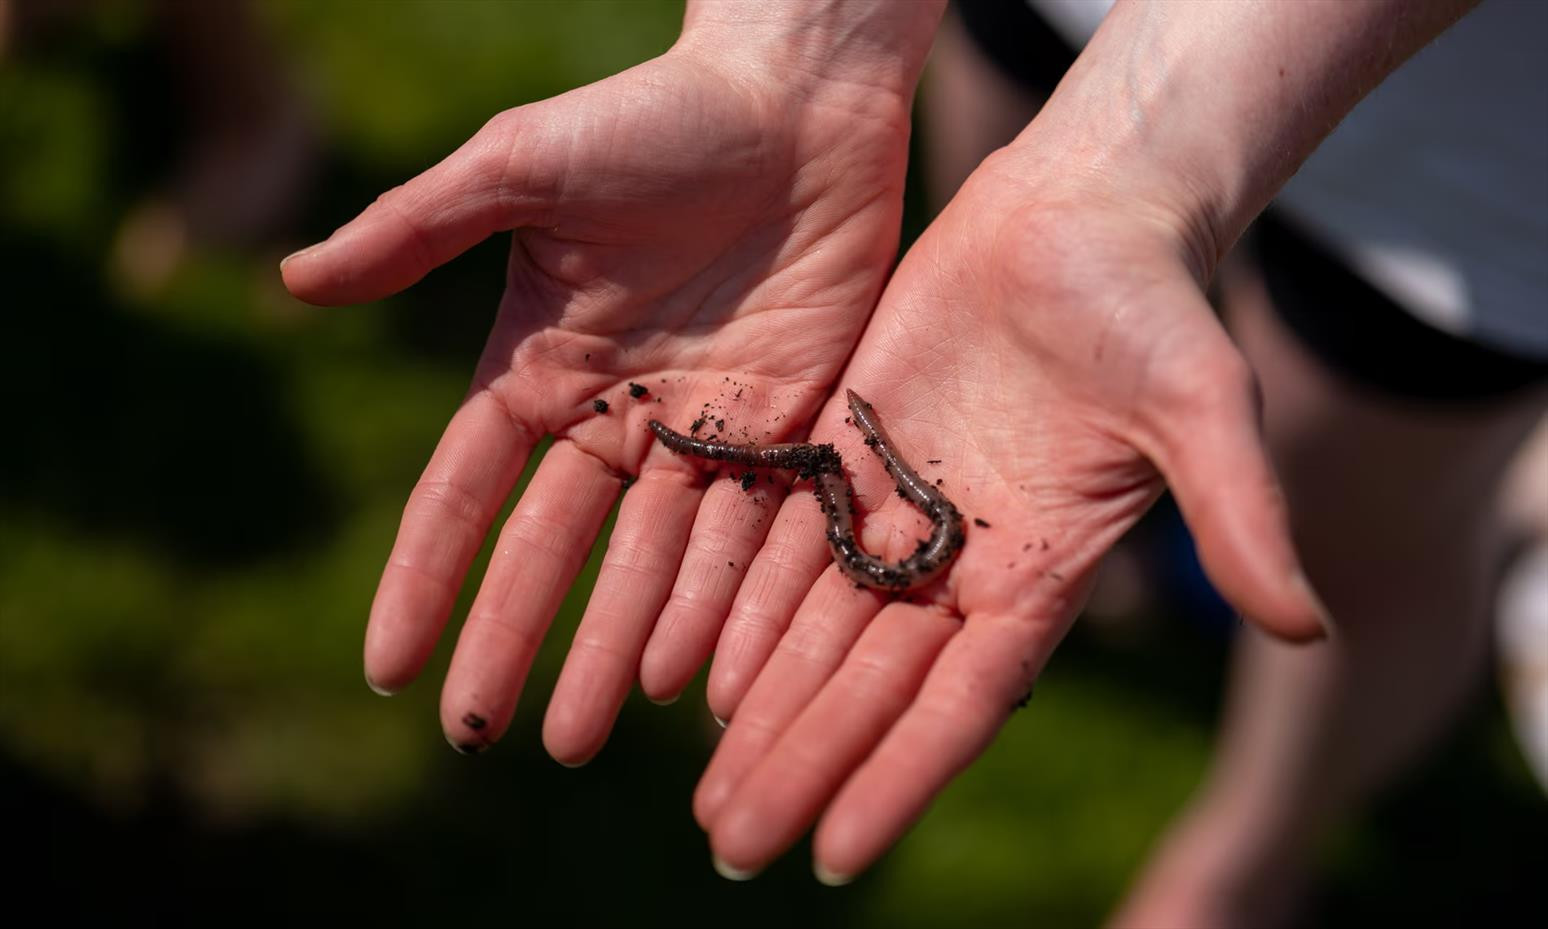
(706, 236)
(1050, 359)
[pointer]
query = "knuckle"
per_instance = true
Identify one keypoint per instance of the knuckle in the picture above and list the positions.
(539, 533)
(403, 205)
(1217, 382)
(872, 679)
(447, 500)
(501, 126)
(632, 554)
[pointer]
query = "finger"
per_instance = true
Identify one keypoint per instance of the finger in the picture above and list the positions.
(1231, 500)
(447, 517)
(480, 189)
(780, 798)
(791, 560)
(821, 634)
(637, 572)
(730, 526)
(966, 697)
(540, 550)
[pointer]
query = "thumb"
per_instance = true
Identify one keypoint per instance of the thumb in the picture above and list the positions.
(478, 190)
(1221, 477)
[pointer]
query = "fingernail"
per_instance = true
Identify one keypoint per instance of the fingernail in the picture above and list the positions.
(1303, 585)
(297, 254)
(466, 748)
(718, 720)
(730, 873)
(666, 702)
(572, 765)
(378, 689)
(830, 878)
(476, 744)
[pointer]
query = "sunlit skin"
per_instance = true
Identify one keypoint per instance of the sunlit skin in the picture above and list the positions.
(702, 216)
(1059, 395)
(1046, 347)
(1050, 333)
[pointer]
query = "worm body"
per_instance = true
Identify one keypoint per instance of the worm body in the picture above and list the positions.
(810, 460)
(823, 464)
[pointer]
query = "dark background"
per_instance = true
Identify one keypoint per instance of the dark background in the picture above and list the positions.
(200, 480)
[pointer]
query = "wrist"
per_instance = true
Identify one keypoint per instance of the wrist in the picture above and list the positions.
(862, 53)
(1201, 112)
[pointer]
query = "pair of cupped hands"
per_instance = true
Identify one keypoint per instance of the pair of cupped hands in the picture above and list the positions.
(686, 222)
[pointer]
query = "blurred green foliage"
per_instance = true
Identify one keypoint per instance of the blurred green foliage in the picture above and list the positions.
(199, 487)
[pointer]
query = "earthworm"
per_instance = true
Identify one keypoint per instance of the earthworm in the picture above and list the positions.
(809, 460)
(835, 496)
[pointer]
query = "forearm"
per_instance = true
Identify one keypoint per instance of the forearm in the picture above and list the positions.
(1207, 109)
(862, 46)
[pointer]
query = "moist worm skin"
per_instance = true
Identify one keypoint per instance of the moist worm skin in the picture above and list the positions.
(836, 498)
(809, 460)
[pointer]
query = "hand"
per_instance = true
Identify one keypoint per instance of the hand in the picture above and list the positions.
(1052, 350)
(697, 218)
(1048, 341)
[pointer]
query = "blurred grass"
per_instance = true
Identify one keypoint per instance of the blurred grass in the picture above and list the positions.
(200, 486)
